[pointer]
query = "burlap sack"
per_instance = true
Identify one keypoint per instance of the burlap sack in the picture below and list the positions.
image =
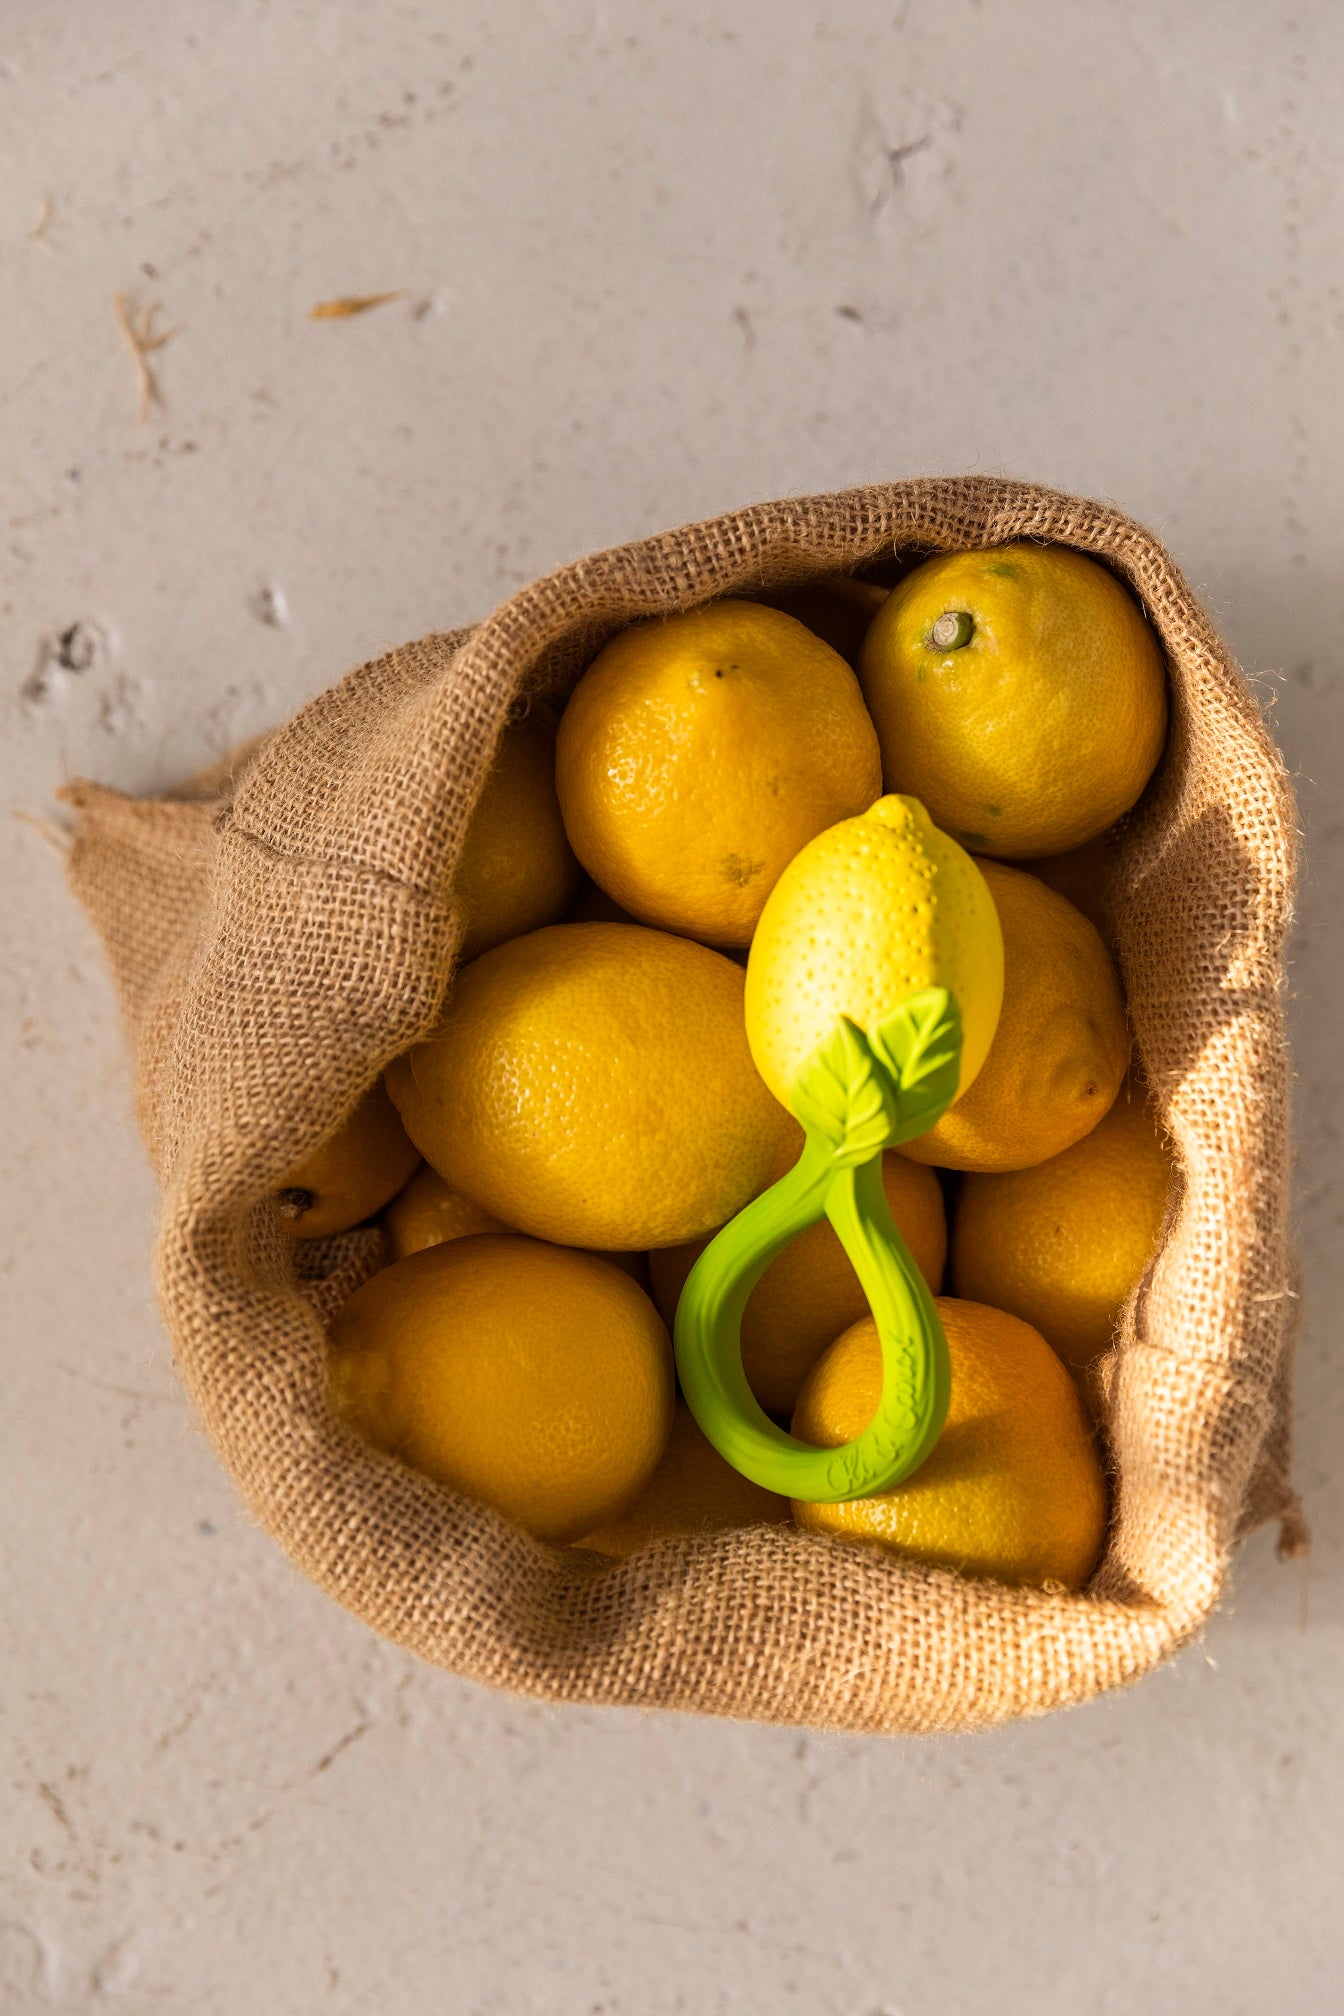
(282, 929)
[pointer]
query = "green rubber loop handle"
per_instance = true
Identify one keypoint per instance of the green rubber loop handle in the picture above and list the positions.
(860, 1093)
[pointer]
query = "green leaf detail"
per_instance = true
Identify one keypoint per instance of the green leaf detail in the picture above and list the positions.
(919, 1047)
(844, 1095)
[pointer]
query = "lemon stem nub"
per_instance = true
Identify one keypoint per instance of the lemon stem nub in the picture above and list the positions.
(952, 630)
(296, 1203)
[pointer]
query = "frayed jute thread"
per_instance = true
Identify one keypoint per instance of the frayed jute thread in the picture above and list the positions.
(142, 339)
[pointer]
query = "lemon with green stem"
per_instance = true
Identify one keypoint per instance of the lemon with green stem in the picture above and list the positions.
(873, 909)
(873, 990)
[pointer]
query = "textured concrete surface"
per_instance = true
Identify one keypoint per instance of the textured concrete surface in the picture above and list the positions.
(655, 262)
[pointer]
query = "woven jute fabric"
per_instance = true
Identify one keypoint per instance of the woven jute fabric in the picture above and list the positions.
(284, 927)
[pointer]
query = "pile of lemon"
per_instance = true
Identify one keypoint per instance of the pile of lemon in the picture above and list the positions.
(607, 1084)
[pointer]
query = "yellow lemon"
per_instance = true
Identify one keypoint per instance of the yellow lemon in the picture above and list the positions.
(1062, 1046)
(698, 753)
(692, 1491)
(427, 1213)
(1082, 876)
(837, 608)
(516, 869)
(810, 1292)
(536, 1380)
(870, 911)
(1020, 693)
(1014, 1488)
(1065, 1244)
(352, 1174)
(591, 1084)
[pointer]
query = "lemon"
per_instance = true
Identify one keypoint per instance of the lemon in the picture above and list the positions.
(1062, 1046)
(838, 609)
(427, 1212)
(698, 753)
(1082, 876)
(692, 1491)
(591, 1084)
(516, 870)
(810, 1292)
(874, 909)
(352, 1174)
(1065, 1244)
(1014, 1488)
(535, 1380)
(1020, 693)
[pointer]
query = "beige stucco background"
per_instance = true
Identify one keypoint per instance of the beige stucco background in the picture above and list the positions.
(656, 261)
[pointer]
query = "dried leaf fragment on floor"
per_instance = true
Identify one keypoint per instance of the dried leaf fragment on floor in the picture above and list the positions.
(38, 234)
(142, 339)
(351, 304)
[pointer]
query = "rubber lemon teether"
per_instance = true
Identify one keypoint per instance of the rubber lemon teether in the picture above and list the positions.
(862, 934)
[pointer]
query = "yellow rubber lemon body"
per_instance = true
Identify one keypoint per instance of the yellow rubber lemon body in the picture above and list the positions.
(870, 911)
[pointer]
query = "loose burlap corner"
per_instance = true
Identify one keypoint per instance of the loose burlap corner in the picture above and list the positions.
(281, 929)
